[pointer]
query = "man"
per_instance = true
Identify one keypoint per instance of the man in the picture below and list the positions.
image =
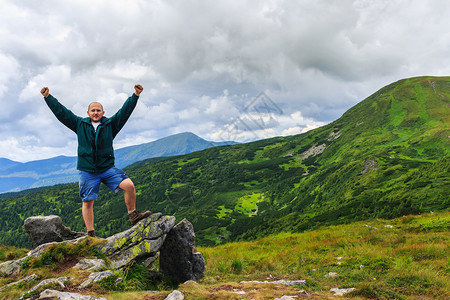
(96, 154)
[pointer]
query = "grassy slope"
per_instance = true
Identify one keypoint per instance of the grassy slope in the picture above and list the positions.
(386, 157)
(404, 258)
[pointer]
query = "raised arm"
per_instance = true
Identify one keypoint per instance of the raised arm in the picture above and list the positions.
(63, 114)
(121, 117)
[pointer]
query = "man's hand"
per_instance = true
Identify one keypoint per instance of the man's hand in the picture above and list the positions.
(45, 92)
(138, 89)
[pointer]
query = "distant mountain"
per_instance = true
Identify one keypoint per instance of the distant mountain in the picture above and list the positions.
(6, 163)
(16, 176)
(177, 144)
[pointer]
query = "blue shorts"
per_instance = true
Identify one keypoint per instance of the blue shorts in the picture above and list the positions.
(90, 182)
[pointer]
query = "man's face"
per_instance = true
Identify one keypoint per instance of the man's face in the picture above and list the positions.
(95, 111)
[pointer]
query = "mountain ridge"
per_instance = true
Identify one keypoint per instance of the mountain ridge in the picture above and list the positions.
(16, 176)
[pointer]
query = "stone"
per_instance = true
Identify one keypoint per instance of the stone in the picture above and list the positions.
(154, 236)
(283, 282)
(238, 292)
(341, 292)
(10, 267)
(59, 281)
(90, 264)
(175, 295)
(369, 165)
(96, 276)
(371, 227)
(150, 260)
(332, 274)
(178, 257)
(285, 298)
(138, 243)
(45, 229)
(313, 151)
(26, 279)
(54, 294)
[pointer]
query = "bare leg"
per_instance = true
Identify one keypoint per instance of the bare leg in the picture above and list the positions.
(130, 194)
(88, 214)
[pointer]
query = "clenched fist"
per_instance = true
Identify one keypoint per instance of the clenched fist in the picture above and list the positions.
(45, 92)
(138, 89)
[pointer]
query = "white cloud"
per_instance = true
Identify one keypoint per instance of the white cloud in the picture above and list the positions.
(314, 58)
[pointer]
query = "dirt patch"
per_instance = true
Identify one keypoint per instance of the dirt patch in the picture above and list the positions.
(68, 263)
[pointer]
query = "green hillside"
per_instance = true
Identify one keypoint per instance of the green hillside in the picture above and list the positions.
(388, 156)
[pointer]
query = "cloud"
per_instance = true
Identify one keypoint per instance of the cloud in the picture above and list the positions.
(314, 59)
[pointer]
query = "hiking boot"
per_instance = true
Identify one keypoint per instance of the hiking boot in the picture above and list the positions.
(136, 216)
(91, 233)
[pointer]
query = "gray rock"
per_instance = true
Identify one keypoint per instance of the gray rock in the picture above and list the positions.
(10, 267)
(175, 295)
(96, 276)
(332, 274)
(59, 281)
(282, 281)
(44, 229)
(371, 227)
(369, 165)
(150, 260)
(178, 257)
(90, 264)
(341, 292)
(138, 243)
(314, 150)
(153, 236)
(54, 294)
(26, 279)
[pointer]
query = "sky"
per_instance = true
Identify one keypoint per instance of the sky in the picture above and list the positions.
(224, 70)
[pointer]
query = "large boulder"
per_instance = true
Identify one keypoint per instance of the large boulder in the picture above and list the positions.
(179, 258)
(150, 237)
(138, 243)
(46, 229)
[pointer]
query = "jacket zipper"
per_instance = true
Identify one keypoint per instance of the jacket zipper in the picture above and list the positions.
(96, 144)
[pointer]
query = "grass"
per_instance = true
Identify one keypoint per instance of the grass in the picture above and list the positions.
(403, 258)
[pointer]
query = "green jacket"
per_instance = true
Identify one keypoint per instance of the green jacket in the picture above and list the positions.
(95, 148)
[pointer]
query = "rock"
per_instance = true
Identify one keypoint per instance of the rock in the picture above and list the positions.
(26, 279)
(313, 151)
(90, 264)
(94, 277)
(334, 135)
(44, 229)
(150, 260)
(285, 298)
(341, 292)
(153, 236)
(175, 295)
(283, 282)
(371, 227)
(138, 243)
(10, 267)
(369, 165)
(59, 281)
(54, 294)
(178, 257)
(332, 274)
